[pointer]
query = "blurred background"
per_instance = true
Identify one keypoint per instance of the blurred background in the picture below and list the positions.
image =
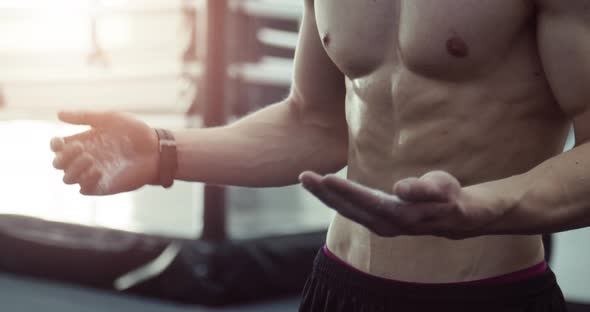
(150, 58)
(144, 57)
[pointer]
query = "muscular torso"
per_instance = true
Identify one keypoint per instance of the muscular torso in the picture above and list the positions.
(454, 85)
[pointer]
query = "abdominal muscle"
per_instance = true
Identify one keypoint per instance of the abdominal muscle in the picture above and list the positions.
(428, 259)
(474, 150)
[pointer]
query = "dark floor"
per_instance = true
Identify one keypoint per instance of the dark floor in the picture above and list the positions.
(578, 307)
(18, 294)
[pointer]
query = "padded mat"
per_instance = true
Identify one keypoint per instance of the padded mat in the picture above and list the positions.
(21, 294)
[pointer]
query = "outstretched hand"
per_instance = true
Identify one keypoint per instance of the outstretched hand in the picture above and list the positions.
(434, 204)
(118, 154)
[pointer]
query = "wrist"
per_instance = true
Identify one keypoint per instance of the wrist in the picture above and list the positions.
(491, 203)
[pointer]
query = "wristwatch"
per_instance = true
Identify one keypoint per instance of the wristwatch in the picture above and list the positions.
(168, 160)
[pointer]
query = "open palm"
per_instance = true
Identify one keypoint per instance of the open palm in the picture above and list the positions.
(118, 154)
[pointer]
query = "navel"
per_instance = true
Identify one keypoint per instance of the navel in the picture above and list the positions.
(457, 47)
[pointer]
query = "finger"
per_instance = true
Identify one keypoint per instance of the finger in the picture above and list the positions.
(309, 178)
(345, 185)
(77, 168)
(386, 216)
(341, 205)
(359, 193)
(94, 119)
(399, 213)
(63, 159)
(418, 190)
(389, 218)
(367, 218)
(89, 182)
(310, 181)
(445, 182)
(393, 210)
(57, 144)
(402, 187)
(370, 199)
(79, 137)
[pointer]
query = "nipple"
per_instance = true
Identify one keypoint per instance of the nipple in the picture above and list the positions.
(457, 47)
(326, 40)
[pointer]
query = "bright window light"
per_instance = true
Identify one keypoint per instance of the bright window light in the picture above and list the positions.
(33, 188)
(58, 25)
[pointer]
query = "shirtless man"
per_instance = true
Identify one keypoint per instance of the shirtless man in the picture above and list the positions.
(451, 116)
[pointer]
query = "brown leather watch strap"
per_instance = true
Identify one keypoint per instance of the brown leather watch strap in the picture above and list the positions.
(168, 163)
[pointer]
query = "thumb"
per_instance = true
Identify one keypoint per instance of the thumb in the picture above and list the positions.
(94, 119)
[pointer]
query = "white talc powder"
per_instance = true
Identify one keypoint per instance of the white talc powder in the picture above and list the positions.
(113, 155)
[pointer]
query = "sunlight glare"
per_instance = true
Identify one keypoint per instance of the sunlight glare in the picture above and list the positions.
(32, 187)
(59, 25)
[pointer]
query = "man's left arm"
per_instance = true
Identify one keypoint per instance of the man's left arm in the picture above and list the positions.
(554, 196)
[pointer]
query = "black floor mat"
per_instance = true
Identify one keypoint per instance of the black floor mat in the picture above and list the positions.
(19, 294)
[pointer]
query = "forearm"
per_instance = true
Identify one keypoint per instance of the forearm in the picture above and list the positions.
(268, 148)
(552, 197)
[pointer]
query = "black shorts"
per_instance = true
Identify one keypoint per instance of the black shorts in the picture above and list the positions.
(335, 287)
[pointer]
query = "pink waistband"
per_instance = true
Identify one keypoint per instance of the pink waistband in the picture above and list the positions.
(527, 273)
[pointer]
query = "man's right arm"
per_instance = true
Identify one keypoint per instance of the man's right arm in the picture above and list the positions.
(271, 147)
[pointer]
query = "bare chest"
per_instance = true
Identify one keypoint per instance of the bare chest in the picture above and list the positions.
(430, 37)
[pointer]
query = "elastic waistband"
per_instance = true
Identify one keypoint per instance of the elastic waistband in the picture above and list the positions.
(524, 274)
(337, 273)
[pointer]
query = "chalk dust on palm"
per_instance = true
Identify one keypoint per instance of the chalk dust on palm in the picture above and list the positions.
(112, 154)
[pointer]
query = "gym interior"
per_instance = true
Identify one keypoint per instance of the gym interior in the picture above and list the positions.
(193, 247)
